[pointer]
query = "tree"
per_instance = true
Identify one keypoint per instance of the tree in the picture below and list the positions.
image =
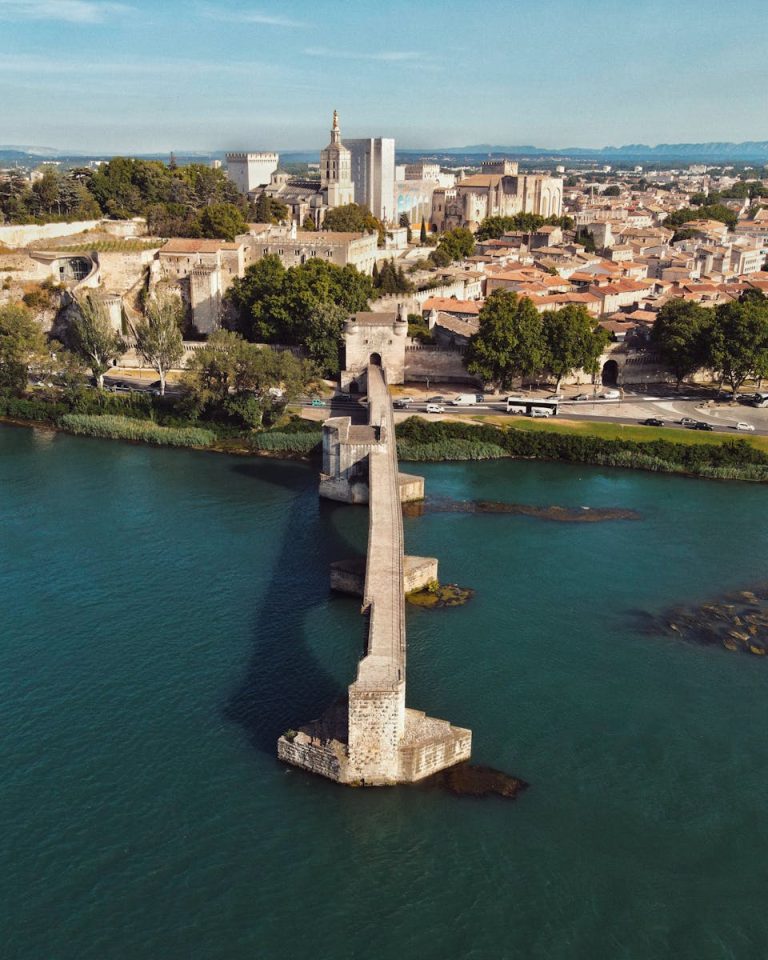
(509, 342)
(275, 305)
(309, 223)
(158, 336)
(738, 341)
(93, 338)
(423, 232)
(573, 341)
(391, 279)
(220, 221)
(353, 218)
(243, 380)
(269, 210)
(323, 339)
(613, 191)
(22, 346)
(405, 221)
(453, 245)
(679, 335)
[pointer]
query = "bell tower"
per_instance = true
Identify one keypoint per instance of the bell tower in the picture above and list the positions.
(336, 169)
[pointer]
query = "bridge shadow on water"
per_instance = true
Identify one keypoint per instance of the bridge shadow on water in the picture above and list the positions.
(285, 684)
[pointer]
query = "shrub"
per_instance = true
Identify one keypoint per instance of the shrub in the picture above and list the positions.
(127, 428)
(301, 443)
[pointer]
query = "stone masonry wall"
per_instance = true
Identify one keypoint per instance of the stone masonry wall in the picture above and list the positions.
(375, 722)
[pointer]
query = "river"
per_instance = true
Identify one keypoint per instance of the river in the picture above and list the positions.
(165, 614)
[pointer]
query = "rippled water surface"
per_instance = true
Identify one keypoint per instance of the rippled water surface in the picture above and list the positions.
(164, 615)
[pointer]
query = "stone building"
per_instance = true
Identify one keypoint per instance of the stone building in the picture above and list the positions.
(336, 170)
(373, 174)
(251, 170)
(500, 190)
(295, 247)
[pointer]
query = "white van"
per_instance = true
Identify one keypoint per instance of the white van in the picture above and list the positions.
(541, 411)
(464, 400)
(610, 395)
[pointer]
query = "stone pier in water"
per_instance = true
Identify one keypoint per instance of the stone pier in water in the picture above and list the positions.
(370, 737)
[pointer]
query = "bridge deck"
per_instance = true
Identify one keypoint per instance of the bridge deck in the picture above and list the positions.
(384, 664)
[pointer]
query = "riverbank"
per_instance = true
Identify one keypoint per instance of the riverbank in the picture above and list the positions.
(657, 450)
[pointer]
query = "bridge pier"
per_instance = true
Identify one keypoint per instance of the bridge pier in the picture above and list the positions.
(370, 738)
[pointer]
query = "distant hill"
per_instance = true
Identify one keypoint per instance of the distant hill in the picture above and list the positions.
(754, 151)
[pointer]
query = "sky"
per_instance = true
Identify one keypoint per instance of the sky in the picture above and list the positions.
(160, 75)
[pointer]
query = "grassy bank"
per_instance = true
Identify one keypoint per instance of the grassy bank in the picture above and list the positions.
(619, 431)
(663, 451)
(114, 427)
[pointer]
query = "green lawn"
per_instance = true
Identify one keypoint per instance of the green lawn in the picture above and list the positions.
(621, 431)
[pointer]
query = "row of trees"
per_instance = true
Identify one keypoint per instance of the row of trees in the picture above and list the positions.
(227, 379)
(516, 341)
(494, 227)
(191, 201)
(731, 339)
(712, 211)
(305, 305)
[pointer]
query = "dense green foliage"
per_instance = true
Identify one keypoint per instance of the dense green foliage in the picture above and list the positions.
(353, 218)
(679, 335)
(730, 339)
(390, 279)
(232, 380)
(453, 245)
(190, 201)
(270, 210)
(282, 442)
(715, 211)
(22, 345)
(514, 340)
(273, 304)
(494, 227)
(127, 428)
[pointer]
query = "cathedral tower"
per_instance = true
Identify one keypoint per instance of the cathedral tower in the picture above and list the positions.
(336, 169)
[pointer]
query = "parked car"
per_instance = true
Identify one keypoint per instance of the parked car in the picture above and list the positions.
(702, 425)
(541, 412)
(610, 395)
(745, 427)
(437, 399)
(317, 403)
(652, 422)
(435, 408)
(401, 402)
(688, 422)
(582, 396)
(123, 388)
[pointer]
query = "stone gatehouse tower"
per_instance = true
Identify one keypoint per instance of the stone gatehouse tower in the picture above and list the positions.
(378, 338)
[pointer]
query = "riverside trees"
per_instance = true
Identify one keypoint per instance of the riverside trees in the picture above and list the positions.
(731, 339)
(515, 341)
(93, 338)
(158, 336)
(22, 346)
(242, 381)
(291, 306)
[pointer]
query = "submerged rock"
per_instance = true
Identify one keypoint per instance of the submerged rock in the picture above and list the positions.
(466, 780)
(737, 622)
(556, 513)
(440, 595)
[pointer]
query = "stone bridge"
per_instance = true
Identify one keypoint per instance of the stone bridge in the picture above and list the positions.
(369, 737)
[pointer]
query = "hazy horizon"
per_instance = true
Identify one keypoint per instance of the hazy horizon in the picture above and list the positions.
(93, 76)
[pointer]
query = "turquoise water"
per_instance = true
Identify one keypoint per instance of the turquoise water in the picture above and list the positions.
(165, 614)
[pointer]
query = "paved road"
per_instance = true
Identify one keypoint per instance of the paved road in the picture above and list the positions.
(632, 409)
